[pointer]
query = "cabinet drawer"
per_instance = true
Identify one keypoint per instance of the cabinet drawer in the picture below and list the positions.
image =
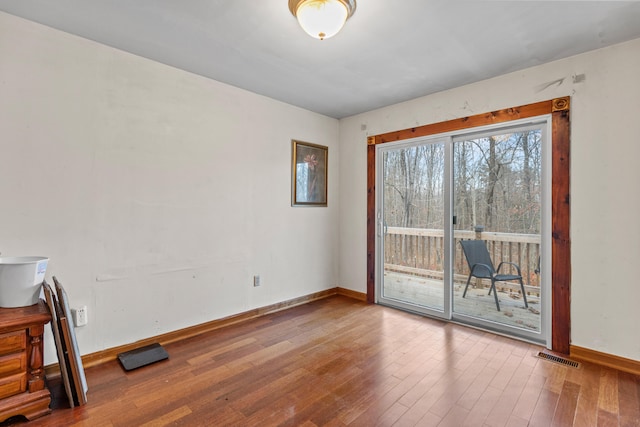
(13, 341)
(13, 384)
(13, 364)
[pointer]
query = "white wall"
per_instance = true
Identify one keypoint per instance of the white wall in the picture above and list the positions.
(157, 194)
(605, 226)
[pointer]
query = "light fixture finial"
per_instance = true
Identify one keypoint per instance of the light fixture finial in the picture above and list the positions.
(322, 18)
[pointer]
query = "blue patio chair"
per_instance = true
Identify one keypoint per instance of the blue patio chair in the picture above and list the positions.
(480, 266)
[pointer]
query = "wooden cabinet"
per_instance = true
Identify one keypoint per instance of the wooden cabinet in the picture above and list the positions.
(22, 387)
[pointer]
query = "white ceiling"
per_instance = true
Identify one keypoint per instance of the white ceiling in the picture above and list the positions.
(389, 51)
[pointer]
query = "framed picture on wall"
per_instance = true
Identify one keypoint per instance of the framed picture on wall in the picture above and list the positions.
(309, 174)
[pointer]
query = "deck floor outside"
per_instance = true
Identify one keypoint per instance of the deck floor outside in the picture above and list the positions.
(477, 303)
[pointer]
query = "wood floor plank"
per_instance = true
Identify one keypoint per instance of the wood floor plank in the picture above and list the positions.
(476, 388)
(169, 417)
(392, 397)
(432, 393)
(391, 415)
(421, 384)
(556, 375)
(260, 397)
(324, 389)
(210, 356)
(587, 404)
(456, 390)
(341, 362)
(545, 409)
(607, 419)
(608, 394)
(223, 417)
(506, 371)
(478, 414)
(454, 418)
(629, 394)
(566, 409)
(528, 399)
(515, 421)
(350, 407)
(503, 410)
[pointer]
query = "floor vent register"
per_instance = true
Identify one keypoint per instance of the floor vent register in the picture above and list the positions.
(557, 359)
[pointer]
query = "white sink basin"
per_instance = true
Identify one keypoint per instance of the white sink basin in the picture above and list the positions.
(21, 279)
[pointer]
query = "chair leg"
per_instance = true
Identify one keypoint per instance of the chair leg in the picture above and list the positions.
(524, 294)
(465, 288)
(495, 293)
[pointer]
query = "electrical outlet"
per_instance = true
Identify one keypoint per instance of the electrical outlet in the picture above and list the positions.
(79, 316)
(256, 281)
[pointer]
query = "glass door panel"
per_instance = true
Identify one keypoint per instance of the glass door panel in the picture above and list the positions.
(412, 212)
(497, 195)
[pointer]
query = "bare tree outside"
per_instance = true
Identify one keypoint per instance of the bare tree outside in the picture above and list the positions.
(497, 184)
(414, 187)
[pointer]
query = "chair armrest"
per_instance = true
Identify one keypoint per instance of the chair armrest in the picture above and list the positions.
(485, 267)
(510, 263)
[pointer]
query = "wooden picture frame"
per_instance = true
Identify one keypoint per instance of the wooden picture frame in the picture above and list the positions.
(75, 360)
(63, 360)
(309, 171)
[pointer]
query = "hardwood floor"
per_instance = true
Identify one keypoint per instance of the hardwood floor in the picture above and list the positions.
(339, 361)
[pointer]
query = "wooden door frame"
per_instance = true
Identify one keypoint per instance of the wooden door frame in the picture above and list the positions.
(559, 109)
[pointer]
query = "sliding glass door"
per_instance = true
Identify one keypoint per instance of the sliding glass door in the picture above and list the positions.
(497, 198)
(487, 188)
(412, 217)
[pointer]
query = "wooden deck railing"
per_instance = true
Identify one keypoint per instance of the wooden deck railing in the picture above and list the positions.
(419, 251)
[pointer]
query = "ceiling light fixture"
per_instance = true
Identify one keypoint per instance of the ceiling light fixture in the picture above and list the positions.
(322, 18)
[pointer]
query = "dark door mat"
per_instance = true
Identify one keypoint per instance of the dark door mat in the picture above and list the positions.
(142, 356)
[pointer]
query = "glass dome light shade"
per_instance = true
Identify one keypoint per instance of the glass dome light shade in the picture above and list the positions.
(322, 19)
